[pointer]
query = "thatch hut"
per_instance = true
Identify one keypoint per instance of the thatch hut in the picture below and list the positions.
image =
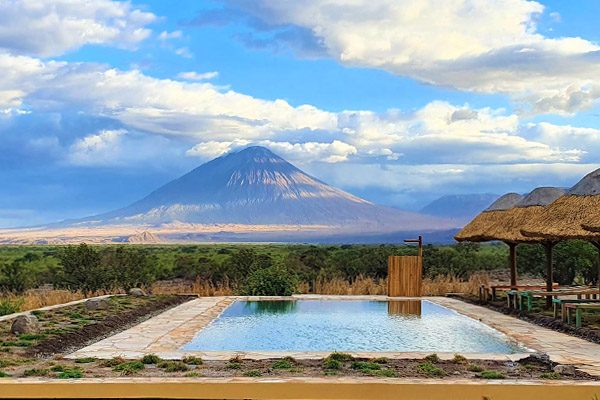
(478, 230)
(508, 227)
(566, 217)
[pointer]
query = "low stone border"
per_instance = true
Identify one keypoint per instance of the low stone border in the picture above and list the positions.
(55, 306)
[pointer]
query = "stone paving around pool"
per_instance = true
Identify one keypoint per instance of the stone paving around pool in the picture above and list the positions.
(166, 333)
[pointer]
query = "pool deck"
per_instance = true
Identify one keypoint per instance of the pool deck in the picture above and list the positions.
(166, 333)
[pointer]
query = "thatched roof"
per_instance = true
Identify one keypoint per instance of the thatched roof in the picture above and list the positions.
(478, 229)
(563, 219)
(509, 224)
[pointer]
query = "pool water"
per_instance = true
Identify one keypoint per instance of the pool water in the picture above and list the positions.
(347, 325)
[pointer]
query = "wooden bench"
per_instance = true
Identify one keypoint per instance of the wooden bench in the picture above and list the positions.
(495, 288)
(559, 303)
(526, 297)
(579, 308)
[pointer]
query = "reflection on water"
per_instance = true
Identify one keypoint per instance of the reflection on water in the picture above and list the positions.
(346, 325)
(271, 307)
(406, 308)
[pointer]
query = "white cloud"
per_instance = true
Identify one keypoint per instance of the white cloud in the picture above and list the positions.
(51, 28)
(184, 52)
(486, 46)
(164, 35)
(197, 76)
(97, 149)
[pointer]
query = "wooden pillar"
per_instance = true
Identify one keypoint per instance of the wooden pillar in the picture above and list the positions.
(597, 244)
(548, 246)
(512, 259)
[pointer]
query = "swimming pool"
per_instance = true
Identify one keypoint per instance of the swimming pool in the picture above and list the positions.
(347, 325)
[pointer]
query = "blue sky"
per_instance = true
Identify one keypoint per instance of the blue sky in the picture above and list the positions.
(398, 102)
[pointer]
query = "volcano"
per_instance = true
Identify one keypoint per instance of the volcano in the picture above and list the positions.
(254, 186)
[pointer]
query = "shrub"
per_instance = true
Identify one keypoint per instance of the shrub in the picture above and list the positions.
(475, 368)
(151, 359)
(191, 360)
(429, 369)
(193, 374)
(270, 281)
(10, 306)
(233, 365)
(365, 366)
(331, 364)
(550, 375)
(282, 364)
(36, 372)
(113, 362)
(175, 366)
(57, 368)
(4, 374)
(432, 358)
(491, 375)
(458, 359)
(253, 373)
(129, 368)
(341, 357)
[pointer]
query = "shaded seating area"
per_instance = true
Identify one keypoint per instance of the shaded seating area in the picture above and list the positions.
(545, 216)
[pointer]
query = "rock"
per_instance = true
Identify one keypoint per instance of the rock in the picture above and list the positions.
(565, 369)
(25, 324)
(97, 304)
(136, 292)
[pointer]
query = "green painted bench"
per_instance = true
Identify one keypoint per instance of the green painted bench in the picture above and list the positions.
(526, 297)
(558, 304)
(579, 308)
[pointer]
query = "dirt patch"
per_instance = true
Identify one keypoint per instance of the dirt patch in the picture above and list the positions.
(556, 324)
(88, 334)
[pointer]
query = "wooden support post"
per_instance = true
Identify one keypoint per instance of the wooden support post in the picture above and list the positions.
(548, 246)
(513, 264)
(597, 244)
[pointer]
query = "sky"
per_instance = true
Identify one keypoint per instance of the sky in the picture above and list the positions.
(103, 101)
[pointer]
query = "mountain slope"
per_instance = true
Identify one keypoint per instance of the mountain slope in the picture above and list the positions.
(462, 207)
(255, 186)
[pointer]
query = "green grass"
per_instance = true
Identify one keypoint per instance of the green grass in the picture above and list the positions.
(380, 360)
(4, 374)
(32, 336)
(253, 373)
(233, 365)
(384, 373)
(550, 375)
(36, 372)
(429, 369)
(71, 373)
(331, 364)
(492, 375)
(191, 360)
(193, 374)
(365, 366)
(85, 360)
(283, 364)
(175, 366)
(341, 357)
(129, 368)
(475, 368)
(151, 359)
(57, 368)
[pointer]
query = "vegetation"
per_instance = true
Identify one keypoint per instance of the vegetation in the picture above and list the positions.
(492, 375)
(261, 269)
(429, 369)
(151, 359)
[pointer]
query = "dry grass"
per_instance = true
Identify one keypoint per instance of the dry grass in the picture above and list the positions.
(38, 298)
(198, 287)
(443, 285)
(362, 285)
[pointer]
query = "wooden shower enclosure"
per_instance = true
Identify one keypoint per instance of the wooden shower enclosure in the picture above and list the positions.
(405, 273)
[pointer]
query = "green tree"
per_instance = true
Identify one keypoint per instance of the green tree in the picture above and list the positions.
(82, 270)
(15, 277)
(271, 281)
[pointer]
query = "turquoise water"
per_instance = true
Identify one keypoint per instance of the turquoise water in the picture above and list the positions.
(347, 325)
